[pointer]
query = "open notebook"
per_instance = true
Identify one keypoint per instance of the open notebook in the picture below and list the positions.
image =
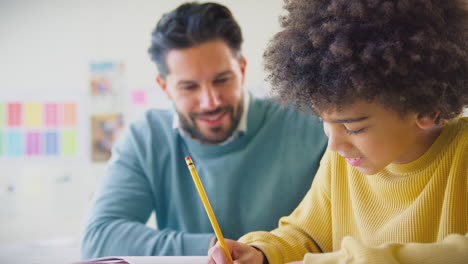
(147, 260)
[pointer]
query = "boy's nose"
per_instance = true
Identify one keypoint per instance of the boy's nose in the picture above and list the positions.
(337, 141)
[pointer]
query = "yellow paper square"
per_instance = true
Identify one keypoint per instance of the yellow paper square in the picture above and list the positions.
(33, 115)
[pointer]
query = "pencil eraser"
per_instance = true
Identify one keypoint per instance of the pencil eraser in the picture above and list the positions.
(187, 158)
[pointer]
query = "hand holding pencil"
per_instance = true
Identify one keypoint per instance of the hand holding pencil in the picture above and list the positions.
(241, 253)
(206, 204)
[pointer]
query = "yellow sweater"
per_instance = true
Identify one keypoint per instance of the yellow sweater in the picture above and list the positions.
(407, 213)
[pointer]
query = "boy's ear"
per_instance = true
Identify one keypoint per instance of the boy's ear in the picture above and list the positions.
(427, 121)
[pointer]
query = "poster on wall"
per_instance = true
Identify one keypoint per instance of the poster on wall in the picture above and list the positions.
(105, 129)
(107, 85)
(38, 128)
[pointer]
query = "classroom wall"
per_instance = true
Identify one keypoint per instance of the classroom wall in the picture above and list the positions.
(46, 48)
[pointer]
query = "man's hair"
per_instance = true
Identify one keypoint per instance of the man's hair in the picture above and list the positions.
(192, 24)
(410, 55)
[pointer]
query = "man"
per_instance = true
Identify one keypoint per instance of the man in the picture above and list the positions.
(256, 150)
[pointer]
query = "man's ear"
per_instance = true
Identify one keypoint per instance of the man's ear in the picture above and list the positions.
(427, 121)
(162, 83)
(243, 65)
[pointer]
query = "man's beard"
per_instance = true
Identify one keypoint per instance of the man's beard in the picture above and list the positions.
(193, 130)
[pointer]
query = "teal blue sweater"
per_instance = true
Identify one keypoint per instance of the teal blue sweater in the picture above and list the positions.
(251, 182)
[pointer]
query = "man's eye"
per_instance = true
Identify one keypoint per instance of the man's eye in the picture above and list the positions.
(189, 87)
(221, 81)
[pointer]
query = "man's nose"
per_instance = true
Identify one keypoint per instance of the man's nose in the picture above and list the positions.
(209, 99)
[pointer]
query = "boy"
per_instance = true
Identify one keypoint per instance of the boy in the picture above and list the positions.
(389, 80)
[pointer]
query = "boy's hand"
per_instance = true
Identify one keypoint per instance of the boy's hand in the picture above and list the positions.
(240, 253)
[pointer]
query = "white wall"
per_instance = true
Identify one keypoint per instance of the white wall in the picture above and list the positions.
(48, 44)
(45, 49)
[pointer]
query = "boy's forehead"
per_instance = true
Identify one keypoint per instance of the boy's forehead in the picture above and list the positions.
(356, 111)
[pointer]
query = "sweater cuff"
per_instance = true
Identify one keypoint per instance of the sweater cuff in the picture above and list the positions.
(196, 244)
(324, 258)
(270, 251)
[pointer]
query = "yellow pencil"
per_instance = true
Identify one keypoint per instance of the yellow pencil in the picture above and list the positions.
(206, 203)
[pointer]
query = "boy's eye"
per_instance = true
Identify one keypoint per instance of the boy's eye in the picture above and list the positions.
(354, 132)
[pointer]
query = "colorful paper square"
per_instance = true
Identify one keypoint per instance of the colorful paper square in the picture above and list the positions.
(14, 144)
(69, 143)
(1, 143)
(139, 97)
(51, 143)
(33, 143)
(51, 112)
(69, 114)
(33, 115)
(14, 114)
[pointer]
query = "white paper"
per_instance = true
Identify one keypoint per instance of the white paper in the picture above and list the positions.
(152, 260)
(167, 260)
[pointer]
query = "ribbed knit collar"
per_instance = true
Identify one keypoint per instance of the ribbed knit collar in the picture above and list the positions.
(436, 149)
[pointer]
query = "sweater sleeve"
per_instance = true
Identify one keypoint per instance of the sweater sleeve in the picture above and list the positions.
(453, 249)
(307, 229)
(124, 202)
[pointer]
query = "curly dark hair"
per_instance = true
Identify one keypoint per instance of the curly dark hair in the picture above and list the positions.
(192, 24)
(411, 55)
